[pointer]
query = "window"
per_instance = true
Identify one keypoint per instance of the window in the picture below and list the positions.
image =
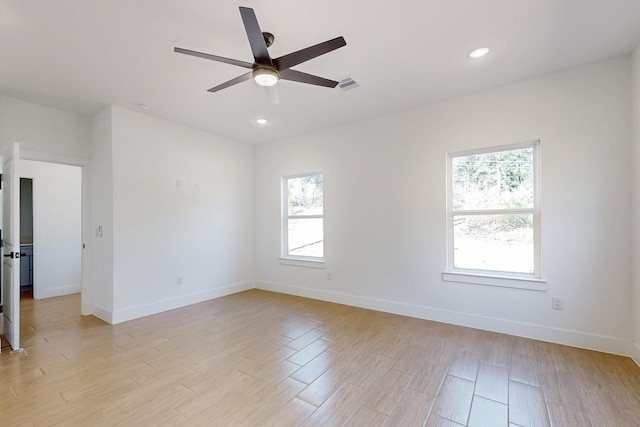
(494, 212)
(303, 231)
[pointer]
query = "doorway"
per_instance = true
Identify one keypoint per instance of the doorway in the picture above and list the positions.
(50, 229)
(26, 238)
(14, 159)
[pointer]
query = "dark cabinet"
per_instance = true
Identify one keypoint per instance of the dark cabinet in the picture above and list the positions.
(26, 265)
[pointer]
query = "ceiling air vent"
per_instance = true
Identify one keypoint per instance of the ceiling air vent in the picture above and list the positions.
(347, 83)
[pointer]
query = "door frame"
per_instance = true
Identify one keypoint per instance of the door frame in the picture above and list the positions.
(86, 297)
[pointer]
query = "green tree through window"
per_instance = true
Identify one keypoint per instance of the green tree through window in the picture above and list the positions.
(303, 228)
(493, 211)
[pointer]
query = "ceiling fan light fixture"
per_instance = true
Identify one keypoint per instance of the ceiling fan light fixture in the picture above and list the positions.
(265, 76)
(479, 53)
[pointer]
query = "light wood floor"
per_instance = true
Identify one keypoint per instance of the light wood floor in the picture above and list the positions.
(264, 359)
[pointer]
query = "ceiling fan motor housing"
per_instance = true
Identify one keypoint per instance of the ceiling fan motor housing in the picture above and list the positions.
(268, 38)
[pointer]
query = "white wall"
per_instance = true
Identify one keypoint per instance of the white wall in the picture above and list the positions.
(635, 160)
(57, 243)
(43, 129)
(385, 208)
(162, 230)
(98, 292)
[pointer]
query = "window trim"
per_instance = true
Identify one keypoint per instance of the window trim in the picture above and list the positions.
(285, 257)
(489, 277)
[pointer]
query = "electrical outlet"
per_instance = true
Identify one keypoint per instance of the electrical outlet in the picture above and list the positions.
(557, 303)
(329, 276)
(179, 280)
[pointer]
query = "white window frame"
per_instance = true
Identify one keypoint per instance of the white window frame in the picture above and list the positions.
(533, 281)
(285, 257)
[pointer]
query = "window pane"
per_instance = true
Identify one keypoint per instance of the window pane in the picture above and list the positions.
(305, 195)
(494, 242)
(498, 180)
(305, 237)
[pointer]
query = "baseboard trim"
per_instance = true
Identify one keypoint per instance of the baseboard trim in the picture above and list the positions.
(182, 301)
(579, 339)
(59, 291)
(635, 352)
(103, 313)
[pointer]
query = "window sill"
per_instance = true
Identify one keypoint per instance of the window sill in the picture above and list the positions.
(302, 262)
(500, 281)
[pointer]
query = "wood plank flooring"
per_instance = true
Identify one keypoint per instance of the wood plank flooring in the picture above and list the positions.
(263, 359)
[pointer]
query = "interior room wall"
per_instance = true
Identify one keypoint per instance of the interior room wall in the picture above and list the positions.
(99, 291)
(43, 129)
(635, 194)
(385, 222)
(183, 215)
(57, 246)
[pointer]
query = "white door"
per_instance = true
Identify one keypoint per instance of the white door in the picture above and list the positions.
(11, 246)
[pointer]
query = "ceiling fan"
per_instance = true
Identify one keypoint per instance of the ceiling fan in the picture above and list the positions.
(267, 71)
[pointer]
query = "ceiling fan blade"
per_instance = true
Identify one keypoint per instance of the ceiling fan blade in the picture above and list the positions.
(213, 57)
(239, 79)
(298, 76)
(292, 59)
(274, 94)
(254, 33)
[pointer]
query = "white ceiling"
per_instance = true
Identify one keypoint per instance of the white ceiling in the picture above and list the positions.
(80, 55)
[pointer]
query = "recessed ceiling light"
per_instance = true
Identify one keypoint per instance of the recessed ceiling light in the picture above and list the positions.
(262, 121)
(479, 53)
